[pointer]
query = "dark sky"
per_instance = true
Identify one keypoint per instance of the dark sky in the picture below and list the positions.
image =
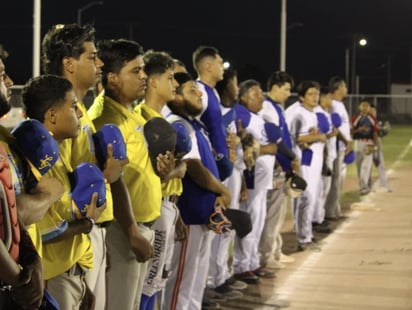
(247, 33)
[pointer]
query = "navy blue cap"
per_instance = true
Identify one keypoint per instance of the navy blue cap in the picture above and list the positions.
(109, 134)
(87, 179)
(183, 141)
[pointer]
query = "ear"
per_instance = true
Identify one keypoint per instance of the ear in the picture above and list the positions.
(68, 64)
(112, 78)
(51, 116)
(152, 82)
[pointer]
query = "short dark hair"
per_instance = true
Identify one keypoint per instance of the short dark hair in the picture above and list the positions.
(202, 52)
(245, 86)
(41, 93)
(324, 90)
(64, 41)
(115, 54)
(279, 78)
(335, 82)
(157, 62)
(303, 87)
(228, 75)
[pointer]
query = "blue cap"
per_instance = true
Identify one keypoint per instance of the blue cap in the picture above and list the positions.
(87, 179)
(336, 119)
(349, 158)
(183, 141)
(323, 123)
(38, 146)
(109, 134)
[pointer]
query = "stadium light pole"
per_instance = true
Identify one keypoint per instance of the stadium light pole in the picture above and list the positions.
(283, 37)
(84, 8)
(356, 40)
(36, 36)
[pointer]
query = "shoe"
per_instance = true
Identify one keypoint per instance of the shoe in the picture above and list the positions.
(248, 276)
(364, 191)
(208, 304)
(309, 246)
(264, 273)
(322, 228)
(235, 284)
(283, 258)
(224, 291)
(277, 265)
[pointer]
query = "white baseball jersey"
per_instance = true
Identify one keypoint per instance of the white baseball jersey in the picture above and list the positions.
(339, 108)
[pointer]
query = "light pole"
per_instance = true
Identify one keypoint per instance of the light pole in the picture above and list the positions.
(355, 42)
(84, 8)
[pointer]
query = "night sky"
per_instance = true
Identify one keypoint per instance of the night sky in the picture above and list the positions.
(247, 33)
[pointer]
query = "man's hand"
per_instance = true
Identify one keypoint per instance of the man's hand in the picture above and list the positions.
(165, 164)
(28, 293)
(92, 210)
(180, 230)
(113, 167)
(140, 246)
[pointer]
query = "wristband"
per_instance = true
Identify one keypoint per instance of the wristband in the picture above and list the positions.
(91, 221)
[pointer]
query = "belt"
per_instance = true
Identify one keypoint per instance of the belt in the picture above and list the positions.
(147, 224)
(76, 270)
(171, 198)
(103, 224)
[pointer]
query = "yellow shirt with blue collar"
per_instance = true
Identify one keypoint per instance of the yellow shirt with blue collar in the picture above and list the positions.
(60, 256)
(142, 182)
(81, 149)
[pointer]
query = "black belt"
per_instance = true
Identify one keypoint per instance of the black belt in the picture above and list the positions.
(171, 198)
(76, 270)
(147, 224)
(103, 224)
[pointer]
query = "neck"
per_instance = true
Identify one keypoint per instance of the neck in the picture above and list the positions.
(207, 80)
(274, 97)
(154, 102)
(126, 102)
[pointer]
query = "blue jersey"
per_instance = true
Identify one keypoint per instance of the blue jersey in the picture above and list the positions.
(196, 203)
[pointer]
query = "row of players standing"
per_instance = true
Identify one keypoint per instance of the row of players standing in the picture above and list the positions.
(136, 185)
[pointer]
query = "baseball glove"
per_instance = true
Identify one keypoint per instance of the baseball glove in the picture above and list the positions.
(251, 150)
(218, 222)
(370, 148)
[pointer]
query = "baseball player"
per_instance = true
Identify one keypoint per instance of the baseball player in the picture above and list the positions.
(77, 61)
(337, 87)
(307, 137)
(209, 66)
(161, 88)
(279, 87)
(365, 134)
(325, 125)
(246, 263)
(67, 250)
(220, 276)
(202, 193)
(124, 62)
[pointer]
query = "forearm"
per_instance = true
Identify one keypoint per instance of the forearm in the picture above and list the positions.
(268, 149)
(122, 206)
(76, 227)
(33, 207)
(316, 137)
(203, 177)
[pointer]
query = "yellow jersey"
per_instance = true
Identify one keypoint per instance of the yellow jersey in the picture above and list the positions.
(173, 186)
(142, 182)
(81, 149)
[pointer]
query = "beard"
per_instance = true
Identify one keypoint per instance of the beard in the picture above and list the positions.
(192, 110)
(4, 105)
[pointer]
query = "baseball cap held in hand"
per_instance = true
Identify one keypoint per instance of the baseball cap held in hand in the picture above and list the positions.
(38, 146)
(160, 137)
(295, 185)
(85, 180)
(109, 134)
